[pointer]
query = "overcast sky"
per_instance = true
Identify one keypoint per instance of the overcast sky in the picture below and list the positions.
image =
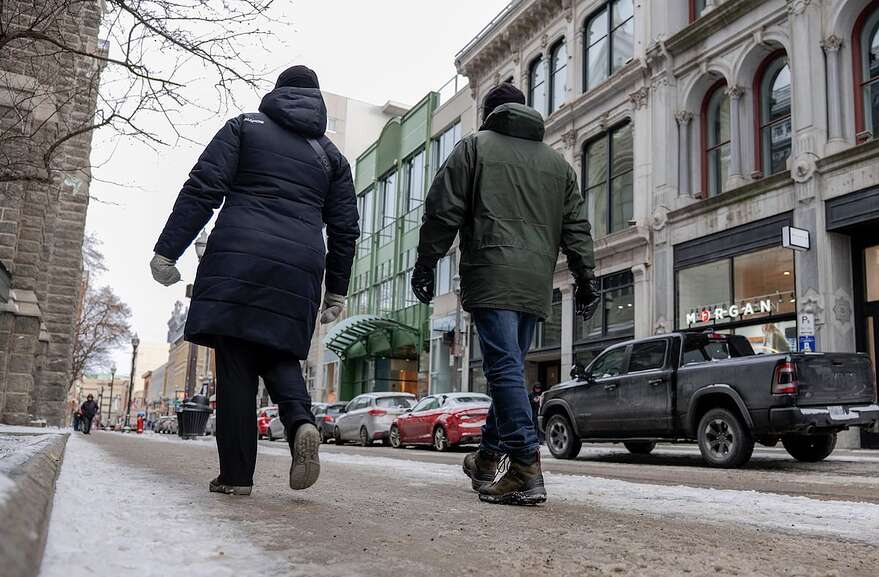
(375, 51)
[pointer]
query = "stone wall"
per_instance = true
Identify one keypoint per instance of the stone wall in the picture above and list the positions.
(42, 224)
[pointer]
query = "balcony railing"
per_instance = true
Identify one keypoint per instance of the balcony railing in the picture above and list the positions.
(386, 235)
(412, 219)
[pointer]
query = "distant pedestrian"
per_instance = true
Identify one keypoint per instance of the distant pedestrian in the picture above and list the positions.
(514, 201)
(257, 292)
(88, 409)
(534, 397)
(77, 418)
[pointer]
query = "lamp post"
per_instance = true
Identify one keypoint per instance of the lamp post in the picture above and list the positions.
(201, 243)
(112, 382)
(135, 342)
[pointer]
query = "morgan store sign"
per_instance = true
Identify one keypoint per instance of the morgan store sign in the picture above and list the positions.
(733, 312)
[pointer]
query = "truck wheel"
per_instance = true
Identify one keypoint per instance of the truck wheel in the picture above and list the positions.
(561, 439)
(640, 447)
(724, 440)
(809, 448)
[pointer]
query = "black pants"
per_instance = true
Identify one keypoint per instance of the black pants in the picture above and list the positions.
(239, 366)
(86, 425)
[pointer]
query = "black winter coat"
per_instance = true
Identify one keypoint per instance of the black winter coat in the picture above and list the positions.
(89, 409)
(260, 277)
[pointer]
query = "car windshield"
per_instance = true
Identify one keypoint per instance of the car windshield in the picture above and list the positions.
(471, 400)
(394, 402)
(335, 409)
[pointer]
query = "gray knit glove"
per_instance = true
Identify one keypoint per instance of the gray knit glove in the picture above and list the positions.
(333, 306)
(164, 270)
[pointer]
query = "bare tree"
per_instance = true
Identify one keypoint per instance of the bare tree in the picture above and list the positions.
(103, 321)
(140, 75)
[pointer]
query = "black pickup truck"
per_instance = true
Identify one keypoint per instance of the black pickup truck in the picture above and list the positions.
(714, 389)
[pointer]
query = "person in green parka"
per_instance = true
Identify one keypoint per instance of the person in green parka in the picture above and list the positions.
(515, 202)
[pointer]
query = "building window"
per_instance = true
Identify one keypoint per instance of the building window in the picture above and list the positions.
(407, 297)
(537, 85)
(332, 124)
(615, 316)
(558, 87)
(866, 53)
(697, 7)
(444, 144)
(773, 89)
(549, 332)
(716, 140)
(366, 213)
(388, 211)
(610, 41)
(414, 181)
(608, 166)
(753, 288)
(445, 275)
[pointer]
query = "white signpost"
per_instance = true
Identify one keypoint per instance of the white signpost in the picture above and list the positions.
(795, 238)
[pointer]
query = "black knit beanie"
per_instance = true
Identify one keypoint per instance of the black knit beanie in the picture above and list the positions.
(298, 77)
(503, 93)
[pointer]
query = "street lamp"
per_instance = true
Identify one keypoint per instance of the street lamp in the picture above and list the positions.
(201, 243)
(135, 342)
(112, 381)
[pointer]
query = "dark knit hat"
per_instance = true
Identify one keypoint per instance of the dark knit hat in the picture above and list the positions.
(503, 93)
(298, 77)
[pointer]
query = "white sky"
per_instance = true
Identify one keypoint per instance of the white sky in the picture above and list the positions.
(375, 51)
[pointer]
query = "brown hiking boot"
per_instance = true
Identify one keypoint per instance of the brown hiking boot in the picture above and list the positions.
(481, 467)
(522, 484)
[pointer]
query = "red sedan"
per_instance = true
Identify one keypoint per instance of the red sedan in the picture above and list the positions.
(442, 420)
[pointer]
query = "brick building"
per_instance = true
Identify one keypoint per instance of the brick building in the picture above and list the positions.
(41, 224)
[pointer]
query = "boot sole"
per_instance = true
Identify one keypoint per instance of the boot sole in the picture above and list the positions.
(522, 498)
(231, 490)
(305, 468)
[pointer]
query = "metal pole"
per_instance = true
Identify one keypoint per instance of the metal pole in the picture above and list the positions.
(134, 344)
(110, 405)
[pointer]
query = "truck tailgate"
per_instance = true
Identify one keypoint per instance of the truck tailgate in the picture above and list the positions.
(834, 379)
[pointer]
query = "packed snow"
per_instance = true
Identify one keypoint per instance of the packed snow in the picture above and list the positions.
(105, 513)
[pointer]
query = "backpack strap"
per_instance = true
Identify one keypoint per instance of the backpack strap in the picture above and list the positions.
(322, 155)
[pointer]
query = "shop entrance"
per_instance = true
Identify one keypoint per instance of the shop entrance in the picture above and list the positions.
(865, 258)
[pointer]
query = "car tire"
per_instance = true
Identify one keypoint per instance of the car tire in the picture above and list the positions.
(364, 437)
(724, 440)
(561, 438)
(323, 436)
(809, 448)
(394, 438)
(640, 447)
(337, 435)
(440, 440)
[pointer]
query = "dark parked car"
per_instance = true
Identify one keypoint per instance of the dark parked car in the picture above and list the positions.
(712, 388)
(325, 417)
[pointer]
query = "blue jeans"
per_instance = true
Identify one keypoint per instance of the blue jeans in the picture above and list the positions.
(505, 337)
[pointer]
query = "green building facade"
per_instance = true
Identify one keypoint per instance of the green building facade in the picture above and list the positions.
(383, 343)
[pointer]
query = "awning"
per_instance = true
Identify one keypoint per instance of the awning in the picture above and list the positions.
(370, 335)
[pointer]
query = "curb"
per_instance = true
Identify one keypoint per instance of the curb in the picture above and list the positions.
(27, 507)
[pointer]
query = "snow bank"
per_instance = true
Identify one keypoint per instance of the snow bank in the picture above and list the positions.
(856, 521)
(15, 450)
(108, 521)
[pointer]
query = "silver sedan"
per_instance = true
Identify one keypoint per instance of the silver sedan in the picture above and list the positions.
(368, 418)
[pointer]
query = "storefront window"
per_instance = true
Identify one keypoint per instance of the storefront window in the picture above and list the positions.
(549, 332)
(871, 268)
(746, 287)
(616, 315)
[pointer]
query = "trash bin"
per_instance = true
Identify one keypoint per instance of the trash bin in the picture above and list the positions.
(192, 417)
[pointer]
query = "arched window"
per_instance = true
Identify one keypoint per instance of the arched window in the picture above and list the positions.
(558, 58)
(866, 53)
(715, 140)
(537, 85)
(610, 41)
(773, 89)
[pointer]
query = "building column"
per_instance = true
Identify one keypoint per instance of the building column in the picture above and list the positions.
(567, 360)
(684, 179)
(643, 313)
(735, 178)
(836, 140)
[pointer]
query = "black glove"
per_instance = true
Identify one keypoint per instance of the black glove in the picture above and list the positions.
(587, 298)
(423, 282)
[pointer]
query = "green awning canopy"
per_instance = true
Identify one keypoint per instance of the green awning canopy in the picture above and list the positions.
(371, 336)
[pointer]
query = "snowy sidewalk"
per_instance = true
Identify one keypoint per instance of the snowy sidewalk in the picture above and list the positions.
(112, 520)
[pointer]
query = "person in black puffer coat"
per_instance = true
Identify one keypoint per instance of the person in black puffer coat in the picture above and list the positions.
(257, 292)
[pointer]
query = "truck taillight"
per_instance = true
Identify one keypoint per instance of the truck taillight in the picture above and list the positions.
(377, 412)
(785, 380)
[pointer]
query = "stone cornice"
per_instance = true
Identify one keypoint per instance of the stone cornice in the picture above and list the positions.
(869, 151)
(627, 239)
(736, 195)
(704, 27)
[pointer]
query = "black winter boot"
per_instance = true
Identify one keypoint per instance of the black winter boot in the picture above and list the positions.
(481, 467)
(217, 487)
(522, 484)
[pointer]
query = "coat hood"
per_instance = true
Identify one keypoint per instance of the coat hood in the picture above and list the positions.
(516, 120)
(301, 110)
